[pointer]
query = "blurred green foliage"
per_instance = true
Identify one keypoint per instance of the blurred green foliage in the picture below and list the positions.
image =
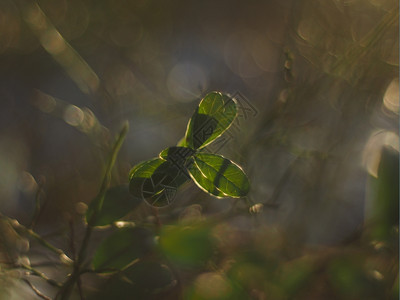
(118, 202)
(187, 245)
(122, 248)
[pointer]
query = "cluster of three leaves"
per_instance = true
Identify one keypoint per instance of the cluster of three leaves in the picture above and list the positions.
(157, 180)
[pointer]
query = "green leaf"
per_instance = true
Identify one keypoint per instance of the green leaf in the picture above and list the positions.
(349, 278)
(117, 203)
(181, 142)
(216, 286)
(204, 183)
(218, 176)
(385, 196)
(122, 248)
(98, 201)
(177, 155)
(156, 181)
(145, 168)
(213, 116)
(189, 246)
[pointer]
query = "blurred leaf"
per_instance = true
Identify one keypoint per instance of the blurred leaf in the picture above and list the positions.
(386, 195)
(212, 117)
(122, 248)
(142, 280)
(187, 245)
(218, 176)
(11, 243)
(214, 286)
(349, 277)
(98, 201)
(156, 181)
(395, 288)
(251, 269)
(151, 276)
(296, 276)
(117, 203)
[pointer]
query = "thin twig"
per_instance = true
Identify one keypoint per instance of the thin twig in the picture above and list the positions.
(36, 291)
(68, 286)
(72, 238)
(80, 290)
(41, 275)
(157, 218)
(38, 206)
(284, 178)
(21, 229)
(73, 250)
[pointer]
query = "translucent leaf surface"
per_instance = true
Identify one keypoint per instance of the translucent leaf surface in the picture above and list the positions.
(213, 116)
(218, 175)
(156, 181)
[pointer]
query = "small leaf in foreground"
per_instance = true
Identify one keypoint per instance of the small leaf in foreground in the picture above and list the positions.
(122, 248)
(187, 245)
(116, 204)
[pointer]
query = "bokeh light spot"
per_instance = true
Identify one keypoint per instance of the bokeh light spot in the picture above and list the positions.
(186, 81)
(73, 115)
(391, 96)
(241, 56)
(27, 183)
(53, 42)
(212, 286)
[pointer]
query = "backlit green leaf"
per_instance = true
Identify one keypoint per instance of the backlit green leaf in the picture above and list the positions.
(145, 168)
(156, 181)
(181, 142)
(212, 117)
(204, 183)
(177, 155)
(218, 175)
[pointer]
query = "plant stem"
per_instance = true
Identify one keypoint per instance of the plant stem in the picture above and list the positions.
(41, 275)
(67, 287)
(38, 206)
(21, 229)
(36, 291)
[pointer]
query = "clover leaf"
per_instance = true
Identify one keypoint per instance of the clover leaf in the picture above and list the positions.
(158, 179)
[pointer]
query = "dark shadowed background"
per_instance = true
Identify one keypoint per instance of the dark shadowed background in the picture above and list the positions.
(318, 89)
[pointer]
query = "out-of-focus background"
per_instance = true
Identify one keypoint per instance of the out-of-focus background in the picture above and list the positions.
(317, 131)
